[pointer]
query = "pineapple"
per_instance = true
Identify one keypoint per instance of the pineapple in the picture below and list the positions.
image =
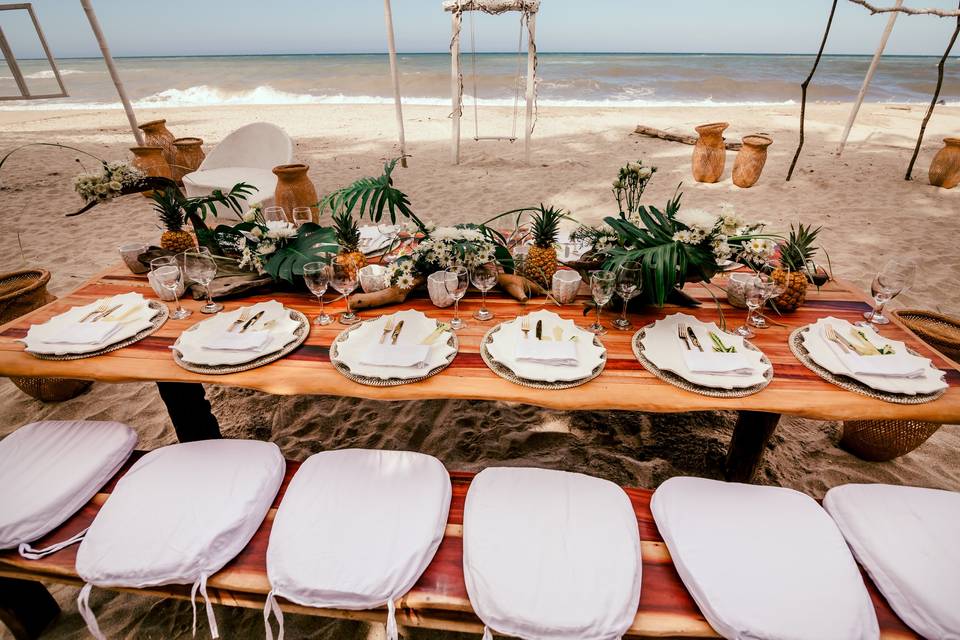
(348, 237)
(174, 237)
(795, 256)
(541, 262)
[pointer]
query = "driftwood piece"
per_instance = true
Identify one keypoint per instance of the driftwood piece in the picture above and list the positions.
(933, 102)
(518, 287)
(806, 83)
(233, 285)
(941, 13)
(390, 295)
(653, 132)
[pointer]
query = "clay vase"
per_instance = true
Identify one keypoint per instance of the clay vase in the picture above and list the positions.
(709, 154)
(294, 189)
(188, 154)
(945, 167)
(151, 162)
(750, 160)
(156, 134)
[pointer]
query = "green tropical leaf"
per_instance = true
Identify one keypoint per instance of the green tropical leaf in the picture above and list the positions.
(312, 243)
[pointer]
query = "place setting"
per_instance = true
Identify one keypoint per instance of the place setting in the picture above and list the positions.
(93, 329)
(700, 357)
(241, 339)
(543, 351)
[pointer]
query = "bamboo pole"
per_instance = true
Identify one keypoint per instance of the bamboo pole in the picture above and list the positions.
(456, 87)
(868, 78)
(108, 60)
(392, 49)
(531, 80)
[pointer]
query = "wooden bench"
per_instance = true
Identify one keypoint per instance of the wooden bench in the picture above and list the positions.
(438, 600)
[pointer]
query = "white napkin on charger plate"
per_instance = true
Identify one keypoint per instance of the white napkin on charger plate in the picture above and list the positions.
(396, 355)
(251, 341)
(73, 332)
(894, 365)
(717, 363)
(562, 354)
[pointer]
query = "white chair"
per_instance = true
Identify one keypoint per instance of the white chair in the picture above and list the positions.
(246, 155)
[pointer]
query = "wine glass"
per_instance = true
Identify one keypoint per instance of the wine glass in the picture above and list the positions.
(897, 274)
(302, 215)
(344, 279)
(629, 285)
(171, 277)
(602, 284)
(456, 281)
(753, 297)
(317, 276)
(201, 267)
(274, 214)
(483, 277)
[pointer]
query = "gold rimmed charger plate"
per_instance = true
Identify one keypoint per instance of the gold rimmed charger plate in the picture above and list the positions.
(507, 373)
(161, 313)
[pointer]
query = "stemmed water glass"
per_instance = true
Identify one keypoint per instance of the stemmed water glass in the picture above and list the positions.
(317, 276)
(483, 277)
(301, 216)
(897, 274)
(169, 276)
(602, 285)
(344, 279)
(753, 297)
(200, 266)
(274, 214)
(629, 285)
(456, 281)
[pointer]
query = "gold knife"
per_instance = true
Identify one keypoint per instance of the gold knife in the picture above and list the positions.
(396, 333)
(252, 321)
(106, 313)
(539, 330)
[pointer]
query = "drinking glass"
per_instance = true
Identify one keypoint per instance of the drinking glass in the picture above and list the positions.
(753, 297)
(897, 274)
(602, 284)
(343, 277)
(170, 276)
(317, 277)
(274, 214)
(629, 285)
(456, 281)
(483, 277)
(301, 216)
(201, 267)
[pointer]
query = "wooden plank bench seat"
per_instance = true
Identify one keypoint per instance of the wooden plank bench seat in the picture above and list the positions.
(439, 599)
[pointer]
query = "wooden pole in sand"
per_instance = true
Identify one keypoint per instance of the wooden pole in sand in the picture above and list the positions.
(392, 49)
(531, 79)
(868, 78)
(108, 59)
(456, 86)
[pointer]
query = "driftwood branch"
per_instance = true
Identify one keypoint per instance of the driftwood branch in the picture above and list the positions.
(941, 13)
(806, 83)
(933, 102)
(653, 132)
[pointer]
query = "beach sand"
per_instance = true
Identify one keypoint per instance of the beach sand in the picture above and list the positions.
(868, 211)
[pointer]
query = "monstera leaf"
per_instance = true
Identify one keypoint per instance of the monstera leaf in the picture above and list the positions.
(312, 243)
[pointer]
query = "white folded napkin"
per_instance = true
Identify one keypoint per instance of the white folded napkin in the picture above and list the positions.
(249, 341)
(717, 363)
(396, 355)
(894, 365)
(563, 354)
(91, 333)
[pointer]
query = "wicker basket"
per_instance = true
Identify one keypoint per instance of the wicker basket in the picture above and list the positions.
(21, 292)
(882, 440)
(939, 331)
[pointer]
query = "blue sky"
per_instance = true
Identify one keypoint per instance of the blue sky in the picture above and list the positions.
(210, 27)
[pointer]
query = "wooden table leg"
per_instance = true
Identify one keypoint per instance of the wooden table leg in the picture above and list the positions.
(189, 411)
(750, 436)
(26, 607)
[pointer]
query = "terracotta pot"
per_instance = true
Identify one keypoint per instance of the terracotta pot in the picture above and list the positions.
(150, 161)
(294, 189)
(945, 167)
(188, 154)
(709, 154)
(750, 160)
(156, 134)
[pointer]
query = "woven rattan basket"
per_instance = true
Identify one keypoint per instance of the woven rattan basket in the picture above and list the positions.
(21, 292)
(939, 331)
(882, 440)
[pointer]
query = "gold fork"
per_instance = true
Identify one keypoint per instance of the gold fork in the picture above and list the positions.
(387, 329)
(682, 334)
(244, 316)
(100, 309)
(525, 327)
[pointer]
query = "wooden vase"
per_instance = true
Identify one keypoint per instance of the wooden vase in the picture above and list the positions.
(188, 154)
(945, 167)
(750, 160)
(709, 154)
(294, 189)
(156, 134)
(151, 162)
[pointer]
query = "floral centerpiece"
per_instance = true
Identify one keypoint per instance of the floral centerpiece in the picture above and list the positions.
(444, 247)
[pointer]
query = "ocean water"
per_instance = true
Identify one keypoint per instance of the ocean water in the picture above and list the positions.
(564, 79)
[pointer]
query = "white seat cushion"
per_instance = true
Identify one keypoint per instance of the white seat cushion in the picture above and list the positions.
(48, 470)
(551, 554)
(908, 540)
(763, 562)
(357, 528)
(203, 182)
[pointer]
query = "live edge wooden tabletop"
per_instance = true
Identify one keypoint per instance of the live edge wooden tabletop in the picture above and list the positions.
(624, 384)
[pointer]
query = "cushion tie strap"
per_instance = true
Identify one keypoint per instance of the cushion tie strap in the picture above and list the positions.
(487, 634)
(392, 633)
(271, 606)
(30, 553)
(83, 606)
(201, 585)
